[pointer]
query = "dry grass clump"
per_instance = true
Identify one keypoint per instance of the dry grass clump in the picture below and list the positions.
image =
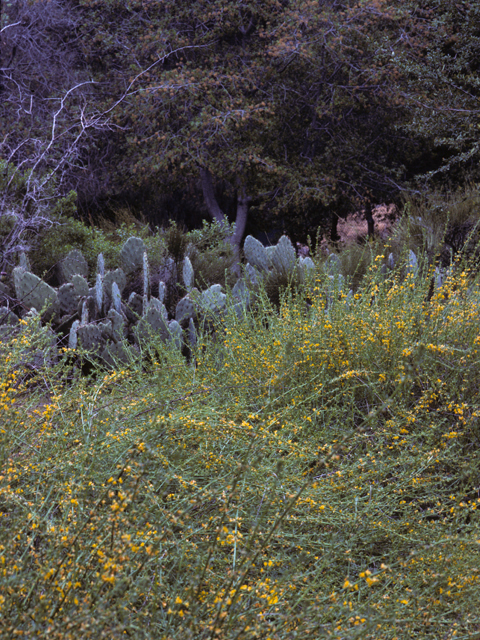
(312, 473)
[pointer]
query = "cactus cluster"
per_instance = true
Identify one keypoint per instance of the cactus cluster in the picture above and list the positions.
(96, 314)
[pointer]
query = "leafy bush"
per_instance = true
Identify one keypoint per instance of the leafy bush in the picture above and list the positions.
(312, 472)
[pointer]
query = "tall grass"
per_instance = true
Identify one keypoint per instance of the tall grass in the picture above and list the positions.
(314, 471)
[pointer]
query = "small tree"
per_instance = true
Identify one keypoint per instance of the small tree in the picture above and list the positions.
(46, 124)
(284, 103)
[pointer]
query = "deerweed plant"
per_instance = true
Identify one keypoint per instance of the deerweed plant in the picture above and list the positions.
(313, 471)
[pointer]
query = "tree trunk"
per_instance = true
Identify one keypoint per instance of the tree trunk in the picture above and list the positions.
(242, 214)
(369, 219)
(209, 195)
(215, 211)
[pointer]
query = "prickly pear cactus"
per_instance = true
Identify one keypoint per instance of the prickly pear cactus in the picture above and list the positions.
(99, 293)
(73, 264)
(110, 277)
(151, 324)
(188, 274)
(412, 263)
(284, 257)
(106, 329)
(116, 353)
(131, 255)
(7, 317)
(306, 266)
(159, 306)
(73, 336)
(80, 285)
(68, 298)
(192, 333)
(34, 292)
(176, 333)
(185, 309)
(162, 289)
(213, 300)
(134, 307)
(118, 325)
(101, 264)
(332, 265)
(270, 251)
(252, 274)
(255, 253)
(116, 298)
(241, 292)
(87, 310)
(168, 272)
(23, 261)
(90, 337)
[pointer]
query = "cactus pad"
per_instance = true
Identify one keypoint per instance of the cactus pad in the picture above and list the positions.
(185, 309)
(153, 323)
(117, 276)
(73, 336)
(255, 253)
(34, 292)
(213, 300)
(176, 333)
(187, 273)
(116, 298)
(284, 257)
(90, 337)
(134, 308)
(80, 285)
(73, 264)
(131, 255)
(116, 353)
(67, 298)
(7, 317)
(118, 325)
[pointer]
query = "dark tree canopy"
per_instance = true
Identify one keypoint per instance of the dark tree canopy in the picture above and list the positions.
(300, 109)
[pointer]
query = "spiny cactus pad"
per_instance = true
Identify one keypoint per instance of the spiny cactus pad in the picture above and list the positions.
(284, 257)
(192, 333)
(176, 333)
(73, 336)
(117, 276)
(116, 353)
(34, 292)
(80, 285)
(73, 264)
(68, 298)
(118, 325)
(116, 298)
(131, 255)
(185, 309)
(241, 292)
(153, 323)
(188, 274)
(213, 300)
(168, 272)
(101, 264)
(90, 337)
(332, 265)
(305, 266)
(255, 253)
(7, 317)
(106, 329)
(134, 308)
(99, 293)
